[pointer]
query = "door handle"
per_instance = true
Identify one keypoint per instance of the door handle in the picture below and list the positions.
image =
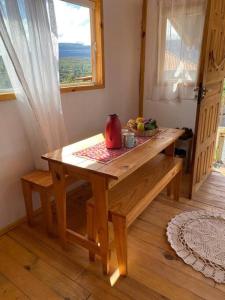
(200, 92)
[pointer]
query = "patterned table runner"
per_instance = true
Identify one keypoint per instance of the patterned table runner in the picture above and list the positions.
(101, 154)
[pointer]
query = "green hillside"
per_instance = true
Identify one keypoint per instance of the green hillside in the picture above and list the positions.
(5, 84)
(71, 68)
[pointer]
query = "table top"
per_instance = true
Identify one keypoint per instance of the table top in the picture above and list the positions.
(120, 167)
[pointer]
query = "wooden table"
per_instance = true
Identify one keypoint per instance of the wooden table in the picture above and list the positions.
(102, 177)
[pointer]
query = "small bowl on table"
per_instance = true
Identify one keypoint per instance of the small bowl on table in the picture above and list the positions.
(145, 133)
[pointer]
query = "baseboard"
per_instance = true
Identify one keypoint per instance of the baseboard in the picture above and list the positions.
(17, 223)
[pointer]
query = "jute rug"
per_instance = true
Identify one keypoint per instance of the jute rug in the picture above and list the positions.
(198, 237)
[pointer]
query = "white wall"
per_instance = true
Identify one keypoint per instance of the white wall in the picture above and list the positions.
(85, 112)
(15, 160)
(172, 114)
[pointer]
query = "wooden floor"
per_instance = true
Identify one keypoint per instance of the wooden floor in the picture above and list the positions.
(33, 266)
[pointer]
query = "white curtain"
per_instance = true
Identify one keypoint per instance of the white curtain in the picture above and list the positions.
(30, 53)
(175, 37)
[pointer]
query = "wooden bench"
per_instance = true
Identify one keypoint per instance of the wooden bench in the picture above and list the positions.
(130, 197)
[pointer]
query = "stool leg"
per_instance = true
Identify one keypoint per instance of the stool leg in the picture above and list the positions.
(120, 236)
(91, 229)
(47, 211)
(176, 186)
(27, 194)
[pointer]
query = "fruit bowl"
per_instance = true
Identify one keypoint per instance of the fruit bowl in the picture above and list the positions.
(146, 133)
(143, 127)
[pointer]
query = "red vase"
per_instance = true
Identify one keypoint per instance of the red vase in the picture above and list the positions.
(113, 138)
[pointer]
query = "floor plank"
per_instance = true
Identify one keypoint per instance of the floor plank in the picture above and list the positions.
(177, 276)
(51, 277)
(61, 263)
(24, 280)
(163, 257)
(9, 291)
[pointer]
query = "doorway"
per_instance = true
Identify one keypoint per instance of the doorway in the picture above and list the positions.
(219, 156)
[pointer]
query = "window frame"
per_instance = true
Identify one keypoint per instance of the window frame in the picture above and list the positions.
(6, 96)
(97, 57)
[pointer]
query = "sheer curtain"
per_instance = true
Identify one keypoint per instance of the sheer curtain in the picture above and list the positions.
(174, 48)
(30, 53)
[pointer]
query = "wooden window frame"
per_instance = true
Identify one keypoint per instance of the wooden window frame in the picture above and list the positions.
(7, 96)
(97, 57)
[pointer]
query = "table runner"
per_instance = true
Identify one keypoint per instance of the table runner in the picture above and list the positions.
(100, 153)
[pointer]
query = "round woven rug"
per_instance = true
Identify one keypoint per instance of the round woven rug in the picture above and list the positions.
(198, 237)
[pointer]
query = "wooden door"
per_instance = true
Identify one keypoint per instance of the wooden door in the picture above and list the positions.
(210, 82)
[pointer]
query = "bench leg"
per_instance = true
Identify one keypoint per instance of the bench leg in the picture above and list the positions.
(120, 236)
(91, 229)
(27, 194)
(47, 211)
(176, 186)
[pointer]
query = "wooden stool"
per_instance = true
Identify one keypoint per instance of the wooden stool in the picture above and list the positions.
(41, 182)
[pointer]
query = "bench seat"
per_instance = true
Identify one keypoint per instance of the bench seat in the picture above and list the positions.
(129, 198)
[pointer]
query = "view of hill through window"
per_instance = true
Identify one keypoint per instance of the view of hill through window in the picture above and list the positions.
(5, 84)
(74, 62)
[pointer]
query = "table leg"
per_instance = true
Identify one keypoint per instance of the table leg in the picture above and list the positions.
(169, 189)
(59, 187)
(47, 211)
(170, 152)
(91, 228)
(177, 181)
(100, 195)
(189, 157)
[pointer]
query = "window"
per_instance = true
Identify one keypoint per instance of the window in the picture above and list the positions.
(181, 60)
(6, 91)
(80, 36)
(5, 84)
(180, 45)
(175, 43)
(79, 26)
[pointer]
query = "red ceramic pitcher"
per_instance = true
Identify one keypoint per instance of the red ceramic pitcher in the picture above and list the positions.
(113, 138)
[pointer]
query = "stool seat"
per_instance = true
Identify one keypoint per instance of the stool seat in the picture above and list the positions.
(39, 178)
(41, 182)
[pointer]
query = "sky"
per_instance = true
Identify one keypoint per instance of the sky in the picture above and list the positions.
(73, 23)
